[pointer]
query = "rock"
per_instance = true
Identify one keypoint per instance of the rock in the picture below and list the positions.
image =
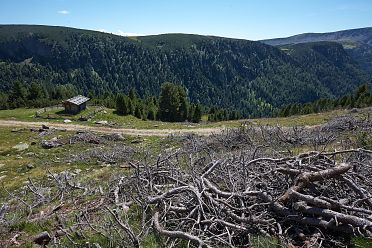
(42, 238)
(125, 208)
(44, 127)
(136, 141)
(67, 121)
(44, 132)
(31, 154)
(60, 129)
(302, 236)
(30, 166)
(354, 110)
(16, 130)
(86, 137)
(104, 111)
(101, 122)
(77, 171)
(47, 144)
(2, 177)
(21, 146)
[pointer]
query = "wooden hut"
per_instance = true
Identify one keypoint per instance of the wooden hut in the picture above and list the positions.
(76, 104)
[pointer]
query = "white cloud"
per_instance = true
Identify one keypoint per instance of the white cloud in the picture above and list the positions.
(120, 32)
(64, 12)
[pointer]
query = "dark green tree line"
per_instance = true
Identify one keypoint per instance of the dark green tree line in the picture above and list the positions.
(360, 98)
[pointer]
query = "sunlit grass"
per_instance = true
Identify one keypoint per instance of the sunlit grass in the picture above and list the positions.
(24, 114)
(301, 120)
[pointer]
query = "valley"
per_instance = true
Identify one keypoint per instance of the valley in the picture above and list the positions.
(247, 76)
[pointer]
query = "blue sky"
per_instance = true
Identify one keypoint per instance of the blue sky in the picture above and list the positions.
(247, 19)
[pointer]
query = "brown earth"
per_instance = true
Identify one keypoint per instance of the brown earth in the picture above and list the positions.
(105, 129)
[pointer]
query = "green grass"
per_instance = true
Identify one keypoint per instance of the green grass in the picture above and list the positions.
(361, 242)
(130, 121)
(301, 120)
(266, 242)
(13, 164)
(22, 114)
(14, 172)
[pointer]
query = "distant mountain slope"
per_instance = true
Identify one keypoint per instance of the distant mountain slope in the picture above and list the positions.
(246, 75)
(329, 62)
(357, 42)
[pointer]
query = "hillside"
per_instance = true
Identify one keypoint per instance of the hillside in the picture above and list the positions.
(357, 42)
(328, 61)
(245, 75)
(81, 186)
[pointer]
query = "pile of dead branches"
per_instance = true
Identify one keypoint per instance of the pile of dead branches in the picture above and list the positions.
(347, 122)
(110, 155)
(292, 198)
(89, 137)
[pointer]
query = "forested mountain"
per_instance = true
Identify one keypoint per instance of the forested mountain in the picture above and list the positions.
(246, 75)
(357, 42)
(328, 62)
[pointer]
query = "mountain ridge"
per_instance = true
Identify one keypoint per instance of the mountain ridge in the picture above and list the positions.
(298, 38)
(358, 43)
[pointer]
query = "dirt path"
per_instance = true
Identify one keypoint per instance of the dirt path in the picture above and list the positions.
(103, 129)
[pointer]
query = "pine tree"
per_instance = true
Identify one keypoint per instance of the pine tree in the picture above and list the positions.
(132, 94)
(18, 95)
(4, 101)
(138, 110)
(183, 109)
(197, 114)
(131, 107)
(121, 104)
(172, 103)
(151, 114)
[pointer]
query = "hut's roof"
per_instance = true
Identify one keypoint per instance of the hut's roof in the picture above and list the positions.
(77, 100)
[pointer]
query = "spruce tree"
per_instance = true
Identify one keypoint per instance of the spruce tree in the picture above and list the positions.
(138, 110)
(197, 114)
(172, 103)
(18, 95)
(121, 104)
